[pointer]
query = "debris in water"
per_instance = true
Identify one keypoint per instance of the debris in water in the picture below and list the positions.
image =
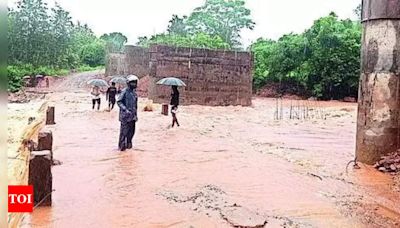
(389, 163)
(314, 175)
(243, 217)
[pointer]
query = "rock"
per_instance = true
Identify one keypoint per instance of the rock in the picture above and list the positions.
(382, 169)
(57, 162)
(243, 217)
(389, 163)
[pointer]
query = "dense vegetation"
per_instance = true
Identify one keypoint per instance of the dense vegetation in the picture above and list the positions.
(323, 61)
(46, 41)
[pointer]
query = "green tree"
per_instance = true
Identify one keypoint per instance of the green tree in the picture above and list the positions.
(324, 61)
(93, 54)
(281, 62)
(115, 41)
(61, 29)
(216, 24)
(143, 41)
(358, 11)
(199, 40)
(177, 26)
(89, 49)
(30, 32)
(262, 49)
(223, 18)
(43, 41)
(12, 37)
(335, 57)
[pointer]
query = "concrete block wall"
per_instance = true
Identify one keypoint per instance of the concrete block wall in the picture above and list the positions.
(134, 60)
(215, 78)
(115, 64)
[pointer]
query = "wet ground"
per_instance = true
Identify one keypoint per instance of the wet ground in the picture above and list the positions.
(224, 167)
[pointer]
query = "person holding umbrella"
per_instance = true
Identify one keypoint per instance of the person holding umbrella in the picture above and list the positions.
(95, 92)
(174, 82)
(127, 103)
(120, 81)
(110, 96)
(174, 103)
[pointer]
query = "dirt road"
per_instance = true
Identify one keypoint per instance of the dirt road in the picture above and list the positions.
(224, 167)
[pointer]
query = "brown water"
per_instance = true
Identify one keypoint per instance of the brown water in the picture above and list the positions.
(223, 165)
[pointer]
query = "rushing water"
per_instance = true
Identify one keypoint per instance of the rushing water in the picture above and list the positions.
(221, 159)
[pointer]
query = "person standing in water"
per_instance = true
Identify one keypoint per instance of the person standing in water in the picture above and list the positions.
(95, 97)
(174, 103)
(110, 96)
(127, 102)
(174, 110)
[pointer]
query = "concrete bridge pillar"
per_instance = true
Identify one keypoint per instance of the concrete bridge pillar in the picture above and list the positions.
(378, 128)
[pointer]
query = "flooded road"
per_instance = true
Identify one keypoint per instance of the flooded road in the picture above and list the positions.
(224, 167)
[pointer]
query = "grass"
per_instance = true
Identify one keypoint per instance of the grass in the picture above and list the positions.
(89, 68)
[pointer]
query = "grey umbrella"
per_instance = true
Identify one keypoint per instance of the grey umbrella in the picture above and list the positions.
(97, 82)
(119, 80)
(171, 81)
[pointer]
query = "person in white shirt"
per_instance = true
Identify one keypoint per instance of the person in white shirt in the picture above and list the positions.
(95, 97)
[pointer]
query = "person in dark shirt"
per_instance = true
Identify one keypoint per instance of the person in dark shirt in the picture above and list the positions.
(127, 102)
(175, 96)
(174, 103)
(110, 96)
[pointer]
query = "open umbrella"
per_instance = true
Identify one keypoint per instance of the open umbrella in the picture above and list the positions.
(171, 81)
(119, 80)
(132, 77)
(97, 82)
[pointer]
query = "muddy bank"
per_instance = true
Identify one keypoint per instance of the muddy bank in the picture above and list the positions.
(23, 124)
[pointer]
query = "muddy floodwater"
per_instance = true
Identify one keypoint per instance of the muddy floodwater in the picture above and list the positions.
(224, 167)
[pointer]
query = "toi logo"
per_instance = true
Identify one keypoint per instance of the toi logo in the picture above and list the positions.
(20, 198)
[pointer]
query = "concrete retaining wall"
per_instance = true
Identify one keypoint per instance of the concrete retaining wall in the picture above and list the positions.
(212, 77)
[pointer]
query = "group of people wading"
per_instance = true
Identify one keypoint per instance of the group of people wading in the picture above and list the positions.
(127, 101)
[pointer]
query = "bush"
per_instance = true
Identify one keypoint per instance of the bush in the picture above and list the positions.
(15, 75)
(324, 61)
(89, 68)
(94, 53)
